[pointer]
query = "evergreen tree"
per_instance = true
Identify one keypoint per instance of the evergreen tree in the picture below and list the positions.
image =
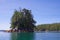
(23, 20)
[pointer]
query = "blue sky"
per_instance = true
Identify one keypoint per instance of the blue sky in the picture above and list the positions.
(44, 11)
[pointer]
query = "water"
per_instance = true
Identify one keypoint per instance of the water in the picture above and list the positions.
(30, 36)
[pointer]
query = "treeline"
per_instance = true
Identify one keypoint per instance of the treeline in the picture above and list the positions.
(48, 27)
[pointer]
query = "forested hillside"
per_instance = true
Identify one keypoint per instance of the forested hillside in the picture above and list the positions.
(48, 27)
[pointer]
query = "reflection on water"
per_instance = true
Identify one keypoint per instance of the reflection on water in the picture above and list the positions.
(30, 36)
(22, 36)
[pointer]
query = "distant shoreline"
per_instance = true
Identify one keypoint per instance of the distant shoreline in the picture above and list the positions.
(34, 31)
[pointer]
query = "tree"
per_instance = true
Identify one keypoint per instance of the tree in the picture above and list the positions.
(29, 21)
(23, 20)
(16, 20)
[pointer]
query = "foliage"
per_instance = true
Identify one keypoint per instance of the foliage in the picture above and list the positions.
(23, 20)
(48, 27)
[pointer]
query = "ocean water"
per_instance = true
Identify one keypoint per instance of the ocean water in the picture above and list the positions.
(30, 36)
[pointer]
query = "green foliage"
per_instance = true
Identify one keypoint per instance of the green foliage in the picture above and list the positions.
(48, 27)
(23, 20)
(16, 19)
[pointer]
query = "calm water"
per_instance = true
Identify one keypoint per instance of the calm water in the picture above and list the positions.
(30, 36)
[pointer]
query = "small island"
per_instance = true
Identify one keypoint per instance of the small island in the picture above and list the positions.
(22, 21)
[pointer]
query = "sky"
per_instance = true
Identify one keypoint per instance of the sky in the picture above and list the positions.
(44, 11)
